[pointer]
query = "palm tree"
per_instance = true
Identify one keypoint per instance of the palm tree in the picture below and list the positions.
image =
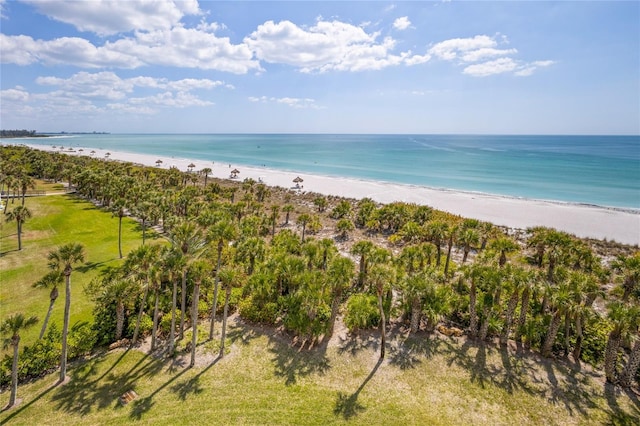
(12, 327)
(273, 218)
(50, 280)
(118, 208)
(628, 270)
(437, 231)
(624, 317)
(363, 249)
(63, 259)
(339, 275)
(287, 208)
(221, 232)
(139, 263)
(175, 265)
(20, 214)
(630, 369)
(381, 277)
(303, 220)
(205, 172)
(503, 246)
(230, 278)
(200, 270)
(468, 238)
(26, 182)
(187, 239)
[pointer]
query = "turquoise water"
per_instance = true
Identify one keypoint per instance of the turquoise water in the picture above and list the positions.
(599, 170)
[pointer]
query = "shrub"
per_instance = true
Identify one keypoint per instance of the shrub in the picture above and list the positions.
(362, 312)
(146, 325)
(36, 360)
(265, 314)
(82, 339)
(165, 322)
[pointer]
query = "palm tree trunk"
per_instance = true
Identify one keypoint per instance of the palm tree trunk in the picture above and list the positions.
(524, 307)
(215, 292)
(119, 319)
(567, 331)
(484, 325)
(551, 334)
(416, 314)
(142, 305)
(194, 323)
(577, 350)
(53, 296)
(446, 263)
(473, 316)
(508, 316)
(611, 355)
(65, 327)
(183, 303)
(19, 222)
(224, 320)
(174, 302)
(629, 371)
(383, 325)
(120, 236)
(154, 329)
(335, 307)
(14, 374)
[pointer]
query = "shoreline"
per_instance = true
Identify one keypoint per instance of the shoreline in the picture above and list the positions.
(583, 220)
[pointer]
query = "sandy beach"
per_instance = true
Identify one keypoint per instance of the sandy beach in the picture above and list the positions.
(612, 224)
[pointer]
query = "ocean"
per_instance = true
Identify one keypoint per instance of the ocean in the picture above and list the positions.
(594, 170)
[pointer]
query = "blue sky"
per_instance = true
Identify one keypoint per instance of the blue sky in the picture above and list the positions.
(321, 67)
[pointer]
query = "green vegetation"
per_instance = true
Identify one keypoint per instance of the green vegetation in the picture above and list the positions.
(154, 307)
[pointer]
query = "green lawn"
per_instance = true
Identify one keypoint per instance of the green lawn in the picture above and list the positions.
(426, 380)
(57, 220)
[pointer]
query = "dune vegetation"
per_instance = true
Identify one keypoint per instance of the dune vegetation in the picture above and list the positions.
(195, 298)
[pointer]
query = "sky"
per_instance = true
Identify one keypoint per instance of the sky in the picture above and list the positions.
(476, 67)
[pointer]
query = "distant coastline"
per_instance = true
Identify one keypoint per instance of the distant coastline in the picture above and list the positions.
(581, 219)
(20, 134)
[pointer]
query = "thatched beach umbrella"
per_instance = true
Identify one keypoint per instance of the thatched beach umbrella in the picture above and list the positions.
(191, 166)
(298, 179)
(234, 172)
(158, 162)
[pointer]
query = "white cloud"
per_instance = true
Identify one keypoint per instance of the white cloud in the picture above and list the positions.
(402, 23)
(298, 103)
(486, 52)
(497, 66)
(103, 92)
(529, 69)
(481, 49)
(326, 46)
(2, 15)
(16, 95)
(452, 48)
(179, 47)
(106, 17)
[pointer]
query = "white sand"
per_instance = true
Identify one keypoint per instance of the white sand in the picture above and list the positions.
(621, 225)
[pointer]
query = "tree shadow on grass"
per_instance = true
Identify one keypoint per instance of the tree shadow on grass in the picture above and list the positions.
(82, 394)
(357, 342)
(292, 363)
(19, 409)
(192, 385)
(617, 416)
(348, 406)
(408, 353)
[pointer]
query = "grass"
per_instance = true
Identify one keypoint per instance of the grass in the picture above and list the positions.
(263, 379)
(57, 220)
